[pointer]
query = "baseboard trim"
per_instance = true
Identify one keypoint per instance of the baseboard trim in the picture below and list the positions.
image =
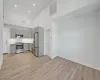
(5, 53)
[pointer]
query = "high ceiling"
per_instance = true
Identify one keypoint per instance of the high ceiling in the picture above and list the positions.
(24, 8)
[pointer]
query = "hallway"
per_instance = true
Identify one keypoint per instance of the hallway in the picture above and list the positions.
(25, 66)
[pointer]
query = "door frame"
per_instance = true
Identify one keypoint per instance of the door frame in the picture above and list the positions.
(48, 42)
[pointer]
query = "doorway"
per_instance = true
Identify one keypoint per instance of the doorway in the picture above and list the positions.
(47, 42)
(6, 35)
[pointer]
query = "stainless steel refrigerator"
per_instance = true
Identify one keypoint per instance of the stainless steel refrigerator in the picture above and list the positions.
(38, 45)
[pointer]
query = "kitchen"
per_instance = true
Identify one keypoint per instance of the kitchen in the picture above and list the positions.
(17, 39)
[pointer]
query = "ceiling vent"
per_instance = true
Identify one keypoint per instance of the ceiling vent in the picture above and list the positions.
(53, 8)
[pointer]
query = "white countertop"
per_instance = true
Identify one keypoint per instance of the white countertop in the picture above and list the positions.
(21, 40)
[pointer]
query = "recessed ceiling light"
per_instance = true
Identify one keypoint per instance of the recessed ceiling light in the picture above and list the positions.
(29, 11)
(33, 4)
(15, 6)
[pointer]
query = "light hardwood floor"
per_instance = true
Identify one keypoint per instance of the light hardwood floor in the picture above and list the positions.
(27, 67)
(17, 66)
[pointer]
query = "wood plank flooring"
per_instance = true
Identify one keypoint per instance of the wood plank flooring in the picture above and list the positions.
(18, 66)
(27, 67)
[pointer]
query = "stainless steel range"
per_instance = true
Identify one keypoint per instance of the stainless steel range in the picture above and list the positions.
(19, 46)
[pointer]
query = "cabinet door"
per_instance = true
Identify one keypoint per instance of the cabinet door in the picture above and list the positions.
(13, 33)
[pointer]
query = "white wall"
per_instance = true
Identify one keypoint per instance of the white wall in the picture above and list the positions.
(47, 21)
(43, 19)
(67, 6)
(76, 37)
(1, 32)
(79, 38)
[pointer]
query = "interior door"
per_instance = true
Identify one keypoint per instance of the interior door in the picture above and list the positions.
(48, 42)
(5, 41)
(36, 44)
